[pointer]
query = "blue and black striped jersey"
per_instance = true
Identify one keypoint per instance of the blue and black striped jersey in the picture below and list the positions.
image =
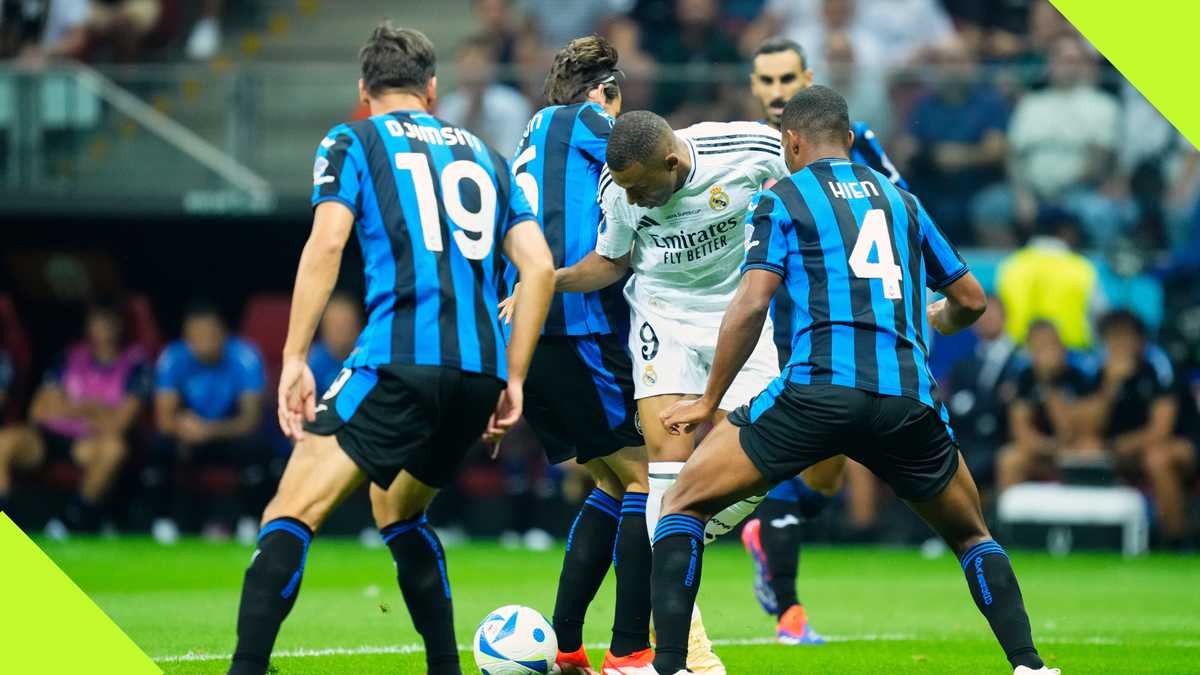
(865, 150)
(432, 204)
(558, 164)
(856, 254)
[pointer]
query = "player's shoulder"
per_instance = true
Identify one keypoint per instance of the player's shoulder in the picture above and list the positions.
(344, 136)
(718, 145)
(713, 131)
(594, 118)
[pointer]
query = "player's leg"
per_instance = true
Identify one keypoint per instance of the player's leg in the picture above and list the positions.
(21, 447)
(319, 475)
(759, 371)
(565, 406)
(955, 514)
(420, 561)
(665, 454)
(913, 452)
(429, 418)
(778, 542)
(631, 561)
(588, 556)
(718, 474)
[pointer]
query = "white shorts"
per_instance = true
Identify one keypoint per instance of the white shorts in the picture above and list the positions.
(671, 356)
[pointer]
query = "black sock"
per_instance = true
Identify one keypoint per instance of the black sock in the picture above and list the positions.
(589, 553)
(780, 536)
(421, 571)
(631, 560)
(269, 592)
(998, 597)
(4, 503)
(678, 558)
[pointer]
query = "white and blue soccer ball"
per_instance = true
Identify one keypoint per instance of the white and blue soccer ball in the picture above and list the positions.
(515, 640)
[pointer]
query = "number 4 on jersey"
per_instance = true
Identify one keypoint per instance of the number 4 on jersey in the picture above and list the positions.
(874, 233)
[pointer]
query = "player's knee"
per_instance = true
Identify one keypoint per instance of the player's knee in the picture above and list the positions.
(310, 512)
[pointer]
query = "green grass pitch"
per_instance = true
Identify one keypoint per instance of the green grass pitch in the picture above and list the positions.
(887, 611)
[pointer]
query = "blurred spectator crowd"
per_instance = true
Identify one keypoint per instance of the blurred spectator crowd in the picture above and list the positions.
(993, 111)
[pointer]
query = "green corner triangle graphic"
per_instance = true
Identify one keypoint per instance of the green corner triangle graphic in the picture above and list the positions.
(1153, 45)
(48, 626)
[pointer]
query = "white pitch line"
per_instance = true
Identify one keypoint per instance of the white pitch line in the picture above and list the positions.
(744, 642)
(419, 649)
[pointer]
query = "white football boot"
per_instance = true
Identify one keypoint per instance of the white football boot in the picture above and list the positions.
(1026, 670)
(726, 520)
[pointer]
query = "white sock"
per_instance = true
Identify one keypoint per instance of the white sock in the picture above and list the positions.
(662, 477)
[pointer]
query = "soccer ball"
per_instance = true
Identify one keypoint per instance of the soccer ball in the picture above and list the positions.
(515, 640)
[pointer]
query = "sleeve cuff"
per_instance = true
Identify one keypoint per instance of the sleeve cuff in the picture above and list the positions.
(946, 281)
(763, 266)
(334, 198)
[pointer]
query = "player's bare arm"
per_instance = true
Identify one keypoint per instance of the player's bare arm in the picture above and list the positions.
(964, 303)
(526, 248)
(315, 278)
(740, 331)
(591, 273)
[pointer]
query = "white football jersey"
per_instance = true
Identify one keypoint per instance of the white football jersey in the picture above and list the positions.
(687, 253)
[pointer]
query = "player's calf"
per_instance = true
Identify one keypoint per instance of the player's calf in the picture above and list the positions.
(421, 574)
(955, 514)
(271, 585)
(589, 553)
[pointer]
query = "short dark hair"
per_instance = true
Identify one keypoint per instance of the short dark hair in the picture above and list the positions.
(104, 306)
(781, 44)
(819, 114)
(396, 58)
(202, 308)
(584, 63)
(1121, 318)
(634, 138)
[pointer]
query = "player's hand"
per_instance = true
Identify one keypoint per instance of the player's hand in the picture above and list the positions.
(685, 416)
(508, 304)
(297, 397)
(933, 312)
(508, 411)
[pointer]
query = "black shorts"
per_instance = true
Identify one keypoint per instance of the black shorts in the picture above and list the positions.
(420, 419)
(789, 427)
(579, 397)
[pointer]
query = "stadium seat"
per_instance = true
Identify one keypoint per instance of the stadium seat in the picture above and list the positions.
(264, 322)
(142, 324)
